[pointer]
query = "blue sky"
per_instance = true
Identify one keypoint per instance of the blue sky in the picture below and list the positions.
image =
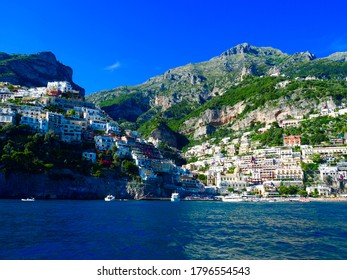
(112, 43)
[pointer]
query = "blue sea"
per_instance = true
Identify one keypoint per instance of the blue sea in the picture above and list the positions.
(162, 230)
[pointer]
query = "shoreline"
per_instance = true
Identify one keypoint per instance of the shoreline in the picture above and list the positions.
(322, 199)
(329, 199)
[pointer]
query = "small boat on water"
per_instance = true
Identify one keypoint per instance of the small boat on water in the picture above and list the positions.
(109, 197)
(233, 198)
(28, 199)
(175, 197)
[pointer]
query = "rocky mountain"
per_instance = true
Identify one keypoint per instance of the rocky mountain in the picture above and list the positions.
(199, 82)
(34, 70)
(243, 85)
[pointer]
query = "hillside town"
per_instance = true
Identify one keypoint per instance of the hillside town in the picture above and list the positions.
(243, 166)
(232, 166)
(60, 109)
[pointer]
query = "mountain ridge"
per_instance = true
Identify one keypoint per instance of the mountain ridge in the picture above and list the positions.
(188, 89)
(191, 72)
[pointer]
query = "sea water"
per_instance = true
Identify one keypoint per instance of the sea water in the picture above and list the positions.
(163, 230)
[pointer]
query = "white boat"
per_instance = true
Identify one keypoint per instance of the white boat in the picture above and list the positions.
(233, 198)
(175, 197)
(109, 197)
(28, 199)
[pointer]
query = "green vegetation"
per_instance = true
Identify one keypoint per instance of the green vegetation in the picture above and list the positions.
(146, 128)
(202, 178)
(119, 100)
(21, 150)
(292, 190)
(322, 68)
(313, 132)
(231, 170)
(272, 137)
(130, 168)
(310, 172)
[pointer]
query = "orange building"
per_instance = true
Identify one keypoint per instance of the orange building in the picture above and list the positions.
(291, 140)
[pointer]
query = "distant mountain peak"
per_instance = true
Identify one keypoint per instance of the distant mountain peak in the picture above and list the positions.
(308, 55)
(240, 49)
(246, 48)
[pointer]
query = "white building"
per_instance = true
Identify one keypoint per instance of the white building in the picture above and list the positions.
(325, 171)
(63, 86)
(104, 143)
(5, 95)
(290, 123)
(286, 153)
(270, 152)
(32, 111)
(38, 124)
(329, 151)
(37, 91)
(91, 114)
(7, 115)
(322, 190)
(294, 173)
(7, 119)
(71, 130)
(98, 125)
(114, 128)
(236, 181)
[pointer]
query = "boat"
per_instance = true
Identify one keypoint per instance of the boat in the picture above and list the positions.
(28, 199)
(175, 197)
(109, 197)
(233, 198)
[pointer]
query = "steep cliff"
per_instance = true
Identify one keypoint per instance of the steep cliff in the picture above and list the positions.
(35, 70)
(60, 184)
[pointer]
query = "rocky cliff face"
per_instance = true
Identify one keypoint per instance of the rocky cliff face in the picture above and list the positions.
(35, 70)
(64, 184)
(210, 118)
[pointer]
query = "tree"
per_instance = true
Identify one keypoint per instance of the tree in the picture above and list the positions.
(283, 190)
(202, 178)
(328, 180)
(130, 168)
(317, 158)
(303, 193)
(231, 170)
(9, 147)
(71, 113)
(315, 193)
(293, 190)
(231, 190)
